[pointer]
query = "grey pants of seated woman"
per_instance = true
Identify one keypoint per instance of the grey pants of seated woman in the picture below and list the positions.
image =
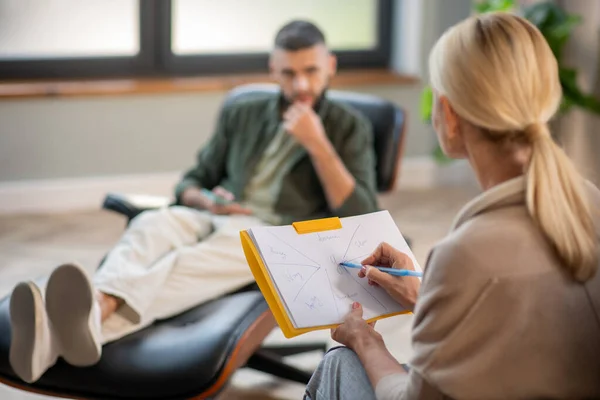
(340, 375)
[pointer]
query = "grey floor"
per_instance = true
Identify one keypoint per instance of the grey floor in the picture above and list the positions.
(32, 245)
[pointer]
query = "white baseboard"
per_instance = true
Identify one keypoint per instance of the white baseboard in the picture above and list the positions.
(79, 194)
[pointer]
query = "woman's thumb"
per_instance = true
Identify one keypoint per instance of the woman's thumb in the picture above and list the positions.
(357, 309)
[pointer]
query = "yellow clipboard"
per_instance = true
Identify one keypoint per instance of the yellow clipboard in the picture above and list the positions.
(267, 288)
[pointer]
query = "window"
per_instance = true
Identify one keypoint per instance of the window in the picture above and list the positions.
(71, 38)
(129, 38)
(31, 29)
(199, 27)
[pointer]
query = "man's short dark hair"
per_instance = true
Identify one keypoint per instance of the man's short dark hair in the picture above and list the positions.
(298, 35)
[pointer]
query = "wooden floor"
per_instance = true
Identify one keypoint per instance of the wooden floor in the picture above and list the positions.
(32, 245)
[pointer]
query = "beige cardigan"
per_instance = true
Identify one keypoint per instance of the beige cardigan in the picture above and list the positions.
(497, 317)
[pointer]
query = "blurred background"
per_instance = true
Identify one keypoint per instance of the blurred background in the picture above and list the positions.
(101, 96)
(67, 132)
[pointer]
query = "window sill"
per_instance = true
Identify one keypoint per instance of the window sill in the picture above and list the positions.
(33, 89)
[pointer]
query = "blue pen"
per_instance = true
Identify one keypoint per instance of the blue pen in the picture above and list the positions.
(391, 271)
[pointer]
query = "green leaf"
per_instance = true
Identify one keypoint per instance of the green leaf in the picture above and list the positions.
(581, 100)
(565, 105)
(486, 6)
(573, 95)
(481, 7)
(568, 78)
(558, 35)
(563, 29)
(589, 103)
(503, 5)
(553, 22)
(540, 14)
(426, 105)
(440, 157)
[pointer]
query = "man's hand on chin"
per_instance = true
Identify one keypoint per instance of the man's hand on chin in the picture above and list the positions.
(301, 121)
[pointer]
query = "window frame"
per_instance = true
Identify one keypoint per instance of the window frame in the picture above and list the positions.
(208, 64)
(155, 58)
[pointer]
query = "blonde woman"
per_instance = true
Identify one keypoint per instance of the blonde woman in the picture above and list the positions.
(509, 306)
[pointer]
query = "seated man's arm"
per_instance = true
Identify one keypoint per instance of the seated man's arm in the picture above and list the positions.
(347, 174)
(209, 170)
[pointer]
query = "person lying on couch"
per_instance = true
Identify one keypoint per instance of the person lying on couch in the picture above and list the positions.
(293, 156)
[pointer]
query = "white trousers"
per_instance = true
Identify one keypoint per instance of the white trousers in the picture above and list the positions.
(170, 260)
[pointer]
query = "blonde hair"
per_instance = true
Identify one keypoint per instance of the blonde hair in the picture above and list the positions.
(498, 73)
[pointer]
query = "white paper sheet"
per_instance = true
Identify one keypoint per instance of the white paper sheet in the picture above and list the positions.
(305, 268)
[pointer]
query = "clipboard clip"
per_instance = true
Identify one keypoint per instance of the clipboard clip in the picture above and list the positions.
(317, 225)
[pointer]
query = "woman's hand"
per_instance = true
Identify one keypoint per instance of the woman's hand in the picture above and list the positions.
(355, 332)
(403, 289)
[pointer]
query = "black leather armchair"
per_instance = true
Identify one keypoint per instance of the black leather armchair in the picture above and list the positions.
(192, 355)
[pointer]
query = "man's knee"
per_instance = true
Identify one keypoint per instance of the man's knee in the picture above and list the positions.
(155, 215)
(145, 218)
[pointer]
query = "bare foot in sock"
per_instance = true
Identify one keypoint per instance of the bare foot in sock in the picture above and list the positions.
(108, 304)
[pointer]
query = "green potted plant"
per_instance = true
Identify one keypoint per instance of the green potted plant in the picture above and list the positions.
(556, 25)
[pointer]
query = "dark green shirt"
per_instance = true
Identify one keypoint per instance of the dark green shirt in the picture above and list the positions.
(245, 129)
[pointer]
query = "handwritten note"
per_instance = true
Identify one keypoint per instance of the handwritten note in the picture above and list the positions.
(305, 268)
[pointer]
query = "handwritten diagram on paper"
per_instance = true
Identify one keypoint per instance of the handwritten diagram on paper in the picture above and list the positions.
(305, 268)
